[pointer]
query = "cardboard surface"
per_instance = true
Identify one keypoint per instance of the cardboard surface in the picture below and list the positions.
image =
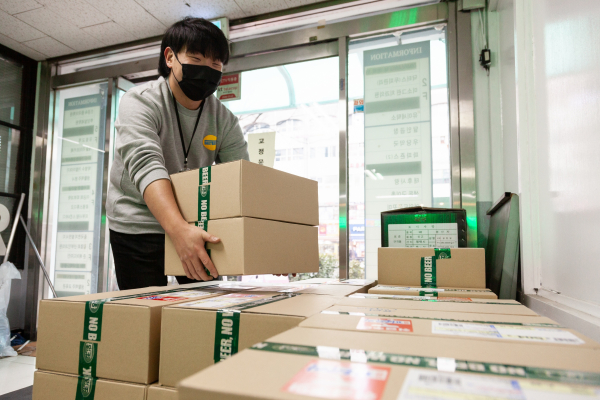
(244, 189)
(402, 267)
(532, 330)
(508, 307)
(293, 287)
(52, 386)
(199, 320)
(157, 392)
(286, 376)
(128, 348)
(437, 292)
(251, 246)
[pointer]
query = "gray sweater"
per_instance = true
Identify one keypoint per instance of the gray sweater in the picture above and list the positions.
(148, 148)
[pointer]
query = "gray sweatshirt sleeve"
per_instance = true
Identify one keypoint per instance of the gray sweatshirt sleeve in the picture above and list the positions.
(137, 140)
(234, 146)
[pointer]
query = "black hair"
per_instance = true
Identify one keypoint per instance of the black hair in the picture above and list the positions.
(194, 35)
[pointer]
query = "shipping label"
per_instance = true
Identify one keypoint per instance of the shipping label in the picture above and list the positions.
(177, 296)
(512, 332)
(385, 324)
(227, 301)
(427, 385)
(339, 380)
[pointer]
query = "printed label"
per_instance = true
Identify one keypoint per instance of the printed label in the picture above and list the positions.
(205, 175)
(500, 331)
(233, 286)
(428, 272)
(178, 297)
(203, 206)
(226, 301)
(385, 324)
(227, 332)
(297, 288)
(426, 385)
(339, 380)
(88, 355)
(417, 298)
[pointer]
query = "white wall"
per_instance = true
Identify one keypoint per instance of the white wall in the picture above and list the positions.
(544, 110)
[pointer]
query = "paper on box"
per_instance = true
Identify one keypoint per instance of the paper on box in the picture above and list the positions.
(118, 339)
(292, 287)
(226, 325)
(533, 330)
(54, 386)
(357, 365)
(244, 189)
(433, 292)
(251, 246)
(375, 301)
(402, 267)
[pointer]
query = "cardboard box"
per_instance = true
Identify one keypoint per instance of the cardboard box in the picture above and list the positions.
(53, 386)
(424, 227)
(365, 284)
(117, 339)
(292, 287)
(533, 330)
(251, 246)
(382, 302)
(158, 392)
(403, 267)
(258, 316)
(317, 363)
(433, 292)
(244, 189)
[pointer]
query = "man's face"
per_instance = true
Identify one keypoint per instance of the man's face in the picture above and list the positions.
(189, 58)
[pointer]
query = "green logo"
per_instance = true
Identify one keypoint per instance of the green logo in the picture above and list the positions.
(86, 386)
(203, 191)
(94, 305)
(88, 352)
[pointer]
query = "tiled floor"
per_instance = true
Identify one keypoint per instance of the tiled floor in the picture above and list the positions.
(16, 373)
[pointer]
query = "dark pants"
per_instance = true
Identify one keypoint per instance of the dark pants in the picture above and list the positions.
(140, 260)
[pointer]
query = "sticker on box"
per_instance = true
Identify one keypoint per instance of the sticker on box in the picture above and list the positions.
(525, 333)
(385, 324)
(427, 385)
(339, 380)
(221, 302)
(178, 296)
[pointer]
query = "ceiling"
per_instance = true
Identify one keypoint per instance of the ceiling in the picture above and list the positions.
(43, 29)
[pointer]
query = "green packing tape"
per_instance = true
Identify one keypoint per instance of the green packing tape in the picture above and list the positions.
(377, 357)
(227, 334)
(88, 355)
(442, 253)
(429, 294)
(358, 314)
(86, 388)
(205, 176)
(428, 272)
(203, 205)
(227, 327)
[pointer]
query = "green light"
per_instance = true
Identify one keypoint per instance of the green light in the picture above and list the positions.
(472, 230)
(343, 222)
(404, 17)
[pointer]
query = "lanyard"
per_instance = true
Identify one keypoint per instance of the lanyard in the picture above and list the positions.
(186, 152)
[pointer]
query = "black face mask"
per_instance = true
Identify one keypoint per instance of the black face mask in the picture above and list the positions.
(198, 81)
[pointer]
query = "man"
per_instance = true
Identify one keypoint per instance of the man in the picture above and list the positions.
(164, 127)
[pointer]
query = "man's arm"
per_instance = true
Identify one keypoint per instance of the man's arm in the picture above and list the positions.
(188, 240)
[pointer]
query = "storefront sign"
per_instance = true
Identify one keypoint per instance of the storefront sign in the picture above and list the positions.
(230, 87)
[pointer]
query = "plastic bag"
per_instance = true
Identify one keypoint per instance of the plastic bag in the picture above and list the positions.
(8, 272)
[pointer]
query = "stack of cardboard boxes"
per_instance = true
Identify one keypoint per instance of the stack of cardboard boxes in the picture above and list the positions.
(266, 219)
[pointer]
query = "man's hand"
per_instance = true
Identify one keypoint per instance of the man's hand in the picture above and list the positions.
(189, 243)
(188, 239)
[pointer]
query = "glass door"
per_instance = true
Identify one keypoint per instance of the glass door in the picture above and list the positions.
(398, 133)
(299, 102)
(75, 208)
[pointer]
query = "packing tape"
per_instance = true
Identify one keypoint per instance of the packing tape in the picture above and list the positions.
(86, 388)
(88, 356)
(429, 294)
(377, 357)
(203, 206)
(205, 176)
(433, 289)
(358, 314)
(441, 254)
(227, 327)
(428, 272)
